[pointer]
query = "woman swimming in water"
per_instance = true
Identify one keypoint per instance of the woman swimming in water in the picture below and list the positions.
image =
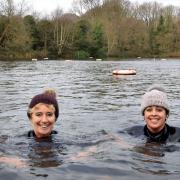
(155, 110)
(43, 112)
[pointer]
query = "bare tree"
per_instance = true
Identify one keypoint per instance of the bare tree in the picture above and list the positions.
(56, 16)
(63, 28)
(77, 8)
(149, 13)
(22, 7)
(7, 8)
(82, 6)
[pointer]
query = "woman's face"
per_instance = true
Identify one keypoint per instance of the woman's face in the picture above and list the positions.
(155, 118)
(43, 119)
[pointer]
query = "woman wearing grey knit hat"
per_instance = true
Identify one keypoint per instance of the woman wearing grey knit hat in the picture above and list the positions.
(155, 109)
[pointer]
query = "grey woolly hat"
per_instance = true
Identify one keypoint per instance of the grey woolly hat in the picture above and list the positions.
(155, 96)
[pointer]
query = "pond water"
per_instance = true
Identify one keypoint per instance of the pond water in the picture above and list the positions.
(92, 104)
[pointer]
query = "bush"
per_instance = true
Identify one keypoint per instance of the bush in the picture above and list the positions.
(81, 55)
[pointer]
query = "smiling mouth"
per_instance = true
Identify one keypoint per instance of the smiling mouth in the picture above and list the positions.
(154, 120)
(44, 126)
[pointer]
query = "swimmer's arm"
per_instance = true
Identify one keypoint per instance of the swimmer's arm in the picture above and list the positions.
(84, 154)
(13, 161)
(118, 140)
(93, 149)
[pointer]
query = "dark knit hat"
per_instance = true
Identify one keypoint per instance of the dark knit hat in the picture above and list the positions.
(48, 97)
(155, 96)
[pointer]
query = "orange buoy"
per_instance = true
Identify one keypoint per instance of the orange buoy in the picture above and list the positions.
(125, 72)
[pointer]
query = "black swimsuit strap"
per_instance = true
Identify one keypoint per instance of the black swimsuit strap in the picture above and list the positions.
(31, 133)
(161, 136)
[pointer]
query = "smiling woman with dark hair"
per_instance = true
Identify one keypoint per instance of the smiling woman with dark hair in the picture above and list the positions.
(155, 109)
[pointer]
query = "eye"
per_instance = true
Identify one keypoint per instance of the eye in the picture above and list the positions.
(50, 114)
(159, 109)
(38, 114)
(148, 109)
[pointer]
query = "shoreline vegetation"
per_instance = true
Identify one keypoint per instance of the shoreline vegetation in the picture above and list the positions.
(109, 29)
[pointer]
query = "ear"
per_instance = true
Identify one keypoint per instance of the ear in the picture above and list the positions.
(144, 119)
(167, 117)
(30, 117)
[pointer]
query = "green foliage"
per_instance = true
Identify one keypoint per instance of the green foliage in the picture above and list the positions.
(81, 55)
(34, 33)
(116, 29)
(161, 37)
(3, 28)
(90, 39)
(81, 40)
(97, 49)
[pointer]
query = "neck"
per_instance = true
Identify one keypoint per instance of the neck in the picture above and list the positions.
(161, 135)
(155, 131)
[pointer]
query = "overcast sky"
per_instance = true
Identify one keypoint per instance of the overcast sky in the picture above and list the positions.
(164, 2)
(47, 6)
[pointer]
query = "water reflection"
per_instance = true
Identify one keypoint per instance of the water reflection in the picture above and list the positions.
(150, 158)
(155, 149)
(45, 152)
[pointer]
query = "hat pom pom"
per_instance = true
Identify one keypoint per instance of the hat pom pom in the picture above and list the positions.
(50, 92)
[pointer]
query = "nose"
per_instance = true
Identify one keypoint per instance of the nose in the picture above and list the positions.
(154, 112)
(44, 118)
